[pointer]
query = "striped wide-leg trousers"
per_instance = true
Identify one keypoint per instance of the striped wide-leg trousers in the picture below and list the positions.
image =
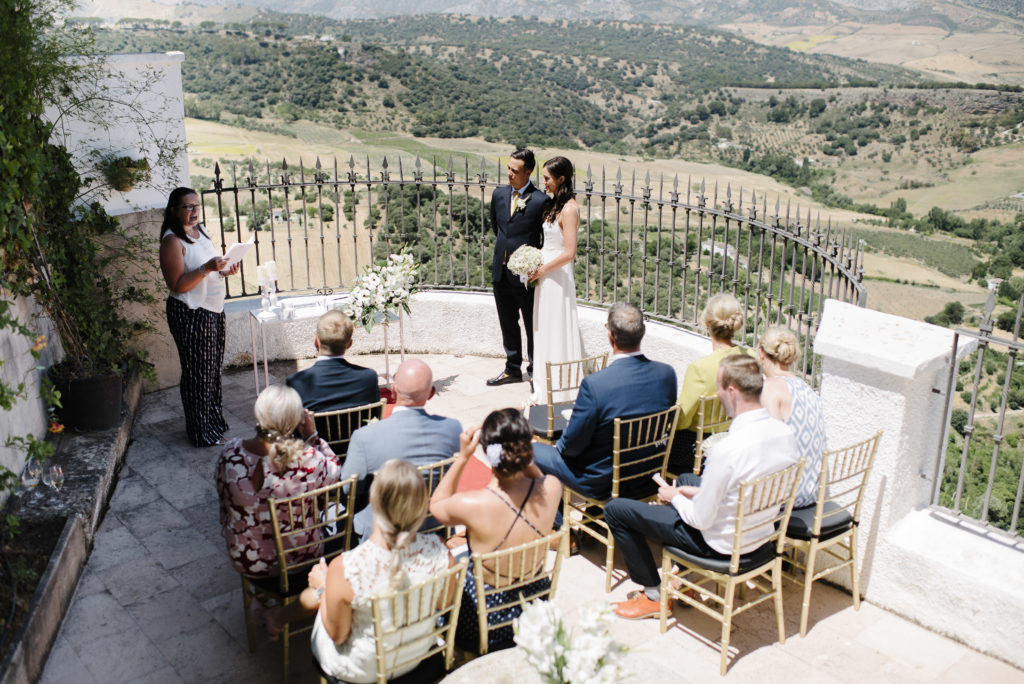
(199, 335)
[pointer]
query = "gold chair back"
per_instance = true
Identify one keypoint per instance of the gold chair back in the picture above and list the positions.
(640, 448)
(711, 586)
(513, 569)
(711, 419)
(833, 530)
(336, 427)
(417, 623)
(432, 474)
(563, 384)
(307, 526)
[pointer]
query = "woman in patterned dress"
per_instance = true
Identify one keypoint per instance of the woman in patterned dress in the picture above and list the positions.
(792, 400)
(272, 464)
(517, 506)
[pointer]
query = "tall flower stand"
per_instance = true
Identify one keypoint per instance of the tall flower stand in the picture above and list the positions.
(389, 317)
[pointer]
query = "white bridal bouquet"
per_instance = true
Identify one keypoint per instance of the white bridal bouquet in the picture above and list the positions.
(525, 261)
(382, 290)
(562, 656)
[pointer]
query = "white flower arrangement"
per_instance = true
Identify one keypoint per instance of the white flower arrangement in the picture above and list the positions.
(378, 295)
(565, 657)
(524, 261)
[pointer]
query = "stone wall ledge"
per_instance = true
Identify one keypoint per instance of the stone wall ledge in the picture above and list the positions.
(91, 462)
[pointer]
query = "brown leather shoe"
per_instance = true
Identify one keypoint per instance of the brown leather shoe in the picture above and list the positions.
(639, 607)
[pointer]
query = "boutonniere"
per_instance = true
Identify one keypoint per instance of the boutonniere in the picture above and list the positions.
(519, 204)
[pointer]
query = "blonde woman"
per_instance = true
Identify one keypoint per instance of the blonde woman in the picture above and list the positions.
(792, 401)
(271, 464)
(394, 557)
(722, 318)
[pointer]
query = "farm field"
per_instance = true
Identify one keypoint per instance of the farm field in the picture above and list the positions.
(994, 55)
(992, 174)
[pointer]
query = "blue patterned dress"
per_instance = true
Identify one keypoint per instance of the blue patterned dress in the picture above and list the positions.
(467, 632)
(809, 425)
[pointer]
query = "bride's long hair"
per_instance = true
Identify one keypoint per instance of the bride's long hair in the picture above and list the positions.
(559, 167)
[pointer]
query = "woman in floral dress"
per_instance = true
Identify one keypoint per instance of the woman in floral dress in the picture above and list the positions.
(272, 464)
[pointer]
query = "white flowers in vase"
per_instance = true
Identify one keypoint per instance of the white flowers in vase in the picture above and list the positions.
(383, 290)
(562, 656)
(524, 261)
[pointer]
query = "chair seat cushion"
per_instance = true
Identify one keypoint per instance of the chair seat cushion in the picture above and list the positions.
(538, 417)
(748, 561)
(835, 520)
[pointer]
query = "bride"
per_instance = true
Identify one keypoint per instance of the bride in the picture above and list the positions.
(556, 327)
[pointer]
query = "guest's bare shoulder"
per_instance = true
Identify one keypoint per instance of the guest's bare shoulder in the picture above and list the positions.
(552, 486)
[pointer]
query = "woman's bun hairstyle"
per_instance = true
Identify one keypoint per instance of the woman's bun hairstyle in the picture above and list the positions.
(511, 430)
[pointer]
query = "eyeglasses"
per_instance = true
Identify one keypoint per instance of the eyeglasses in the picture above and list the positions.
(189, 207)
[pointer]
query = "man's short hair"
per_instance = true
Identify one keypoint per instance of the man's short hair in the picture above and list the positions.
(334, 330)
(526, 156)
(626, 325)
(744, 373)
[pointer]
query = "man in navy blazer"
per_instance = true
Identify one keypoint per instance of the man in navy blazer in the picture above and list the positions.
(632, 385)
(409, 433)
(333, 383)
(517, 214)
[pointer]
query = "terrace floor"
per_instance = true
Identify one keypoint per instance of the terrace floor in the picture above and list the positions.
(159, 601)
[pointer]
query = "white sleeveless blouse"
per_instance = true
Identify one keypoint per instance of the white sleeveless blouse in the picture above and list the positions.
(209, 293)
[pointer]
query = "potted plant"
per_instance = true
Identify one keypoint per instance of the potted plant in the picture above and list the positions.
(122, 172)
(80, 271)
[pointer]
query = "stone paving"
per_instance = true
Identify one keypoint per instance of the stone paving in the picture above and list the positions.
(159, 601)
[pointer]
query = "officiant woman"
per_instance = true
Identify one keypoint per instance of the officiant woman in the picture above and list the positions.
(191, 266)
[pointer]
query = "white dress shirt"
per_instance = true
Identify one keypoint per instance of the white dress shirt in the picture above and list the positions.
(756, 445)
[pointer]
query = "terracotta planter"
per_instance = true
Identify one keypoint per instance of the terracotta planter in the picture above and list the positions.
(91, 403)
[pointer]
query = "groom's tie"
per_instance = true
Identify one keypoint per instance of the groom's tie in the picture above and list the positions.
(512, 209)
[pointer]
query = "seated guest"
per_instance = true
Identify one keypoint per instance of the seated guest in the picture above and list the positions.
(273, 464)
(722, 318)
(792, 400)
(410, 433)
(517, 506)
(632, 385)
(393, 558)
(701, 517)
(333, 383)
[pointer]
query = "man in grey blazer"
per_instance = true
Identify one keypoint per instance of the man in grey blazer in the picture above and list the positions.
(409, 433)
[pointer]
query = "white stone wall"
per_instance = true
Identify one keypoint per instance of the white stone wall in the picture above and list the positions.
(27, 416)
(445, 323)
(885, 372)
(141, 114)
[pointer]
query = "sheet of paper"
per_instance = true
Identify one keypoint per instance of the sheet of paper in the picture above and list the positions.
(236, 252)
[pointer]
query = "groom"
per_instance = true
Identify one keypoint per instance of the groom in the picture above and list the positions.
(517, 212)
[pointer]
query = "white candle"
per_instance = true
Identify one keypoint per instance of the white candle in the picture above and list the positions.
(272, 271)
(261, 275)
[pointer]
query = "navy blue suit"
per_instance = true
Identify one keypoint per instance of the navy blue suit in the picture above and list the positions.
(629, 387)
(512, 299)
(332, 384)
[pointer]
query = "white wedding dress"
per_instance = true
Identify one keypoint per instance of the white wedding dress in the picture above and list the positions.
(556, 325)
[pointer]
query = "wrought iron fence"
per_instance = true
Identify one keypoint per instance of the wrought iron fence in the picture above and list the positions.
(985, 406)
(665, 244)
